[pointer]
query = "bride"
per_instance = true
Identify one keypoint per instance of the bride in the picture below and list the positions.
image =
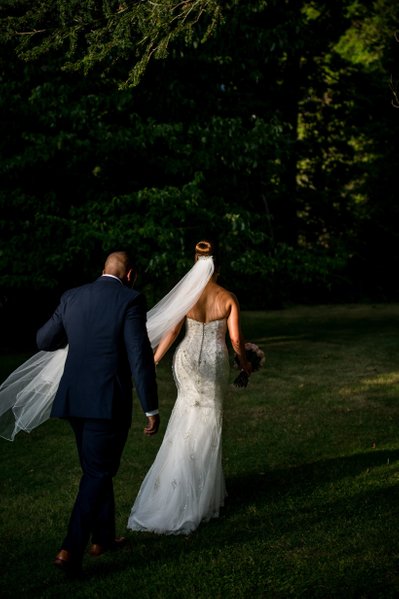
(185, 484)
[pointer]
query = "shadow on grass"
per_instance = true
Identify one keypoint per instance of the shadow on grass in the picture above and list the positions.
(255, 487)
(332, 324)
(283, 511)
(286, 510)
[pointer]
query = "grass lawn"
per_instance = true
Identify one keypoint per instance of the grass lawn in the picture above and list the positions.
(311, 458)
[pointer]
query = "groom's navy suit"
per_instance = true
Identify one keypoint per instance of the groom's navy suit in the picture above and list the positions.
(104, 325)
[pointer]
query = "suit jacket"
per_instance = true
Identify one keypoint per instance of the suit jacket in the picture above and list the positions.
(104, 325)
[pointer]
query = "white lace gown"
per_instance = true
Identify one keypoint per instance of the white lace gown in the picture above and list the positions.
(185, 484)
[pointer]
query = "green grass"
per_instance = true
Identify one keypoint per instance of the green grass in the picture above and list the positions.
(311, 458)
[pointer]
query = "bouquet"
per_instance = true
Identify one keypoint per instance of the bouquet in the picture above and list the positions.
(255, 356)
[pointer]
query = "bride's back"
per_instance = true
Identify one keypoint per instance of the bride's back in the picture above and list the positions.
(214, 304)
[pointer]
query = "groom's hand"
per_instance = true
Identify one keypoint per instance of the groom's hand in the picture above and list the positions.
(152, 425)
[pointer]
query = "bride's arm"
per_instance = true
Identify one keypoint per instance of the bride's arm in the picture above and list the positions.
(235, 334)
(167, 341)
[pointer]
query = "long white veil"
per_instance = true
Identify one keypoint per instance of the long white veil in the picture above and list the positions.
(26, 396)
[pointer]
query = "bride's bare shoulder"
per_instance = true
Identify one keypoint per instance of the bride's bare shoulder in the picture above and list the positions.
(229, 295)
(226, 298)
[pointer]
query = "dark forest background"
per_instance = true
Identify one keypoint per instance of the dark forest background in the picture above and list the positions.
(272, 129)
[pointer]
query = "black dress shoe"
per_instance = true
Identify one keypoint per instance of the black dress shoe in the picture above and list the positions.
(97, 549)
(64, 561)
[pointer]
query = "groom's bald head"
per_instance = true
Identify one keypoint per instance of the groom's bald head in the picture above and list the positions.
(118, 264)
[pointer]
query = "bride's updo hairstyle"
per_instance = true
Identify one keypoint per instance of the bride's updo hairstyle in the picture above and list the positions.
(207, 248)
(203, 248)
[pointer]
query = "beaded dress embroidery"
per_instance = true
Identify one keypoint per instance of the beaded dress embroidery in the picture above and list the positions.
(185, 485)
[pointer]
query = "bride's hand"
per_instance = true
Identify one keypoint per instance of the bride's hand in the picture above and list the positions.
(152, 425)
(247, 368)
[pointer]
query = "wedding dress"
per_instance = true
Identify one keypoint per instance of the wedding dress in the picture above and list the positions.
(185, 484)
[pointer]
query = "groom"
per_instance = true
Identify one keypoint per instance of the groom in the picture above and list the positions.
(104, 325)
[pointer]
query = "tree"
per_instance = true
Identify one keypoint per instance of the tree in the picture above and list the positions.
(271, 137)
(102, 34)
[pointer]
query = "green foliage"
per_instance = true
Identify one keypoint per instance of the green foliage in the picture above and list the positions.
(364, 42)
(275, 137)
(106, 33)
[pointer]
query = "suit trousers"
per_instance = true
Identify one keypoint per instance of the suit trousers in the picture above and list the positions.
(100, 444)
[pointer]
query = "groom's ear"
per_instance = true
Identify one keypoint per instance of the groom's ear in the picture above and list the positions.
(131, 277)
